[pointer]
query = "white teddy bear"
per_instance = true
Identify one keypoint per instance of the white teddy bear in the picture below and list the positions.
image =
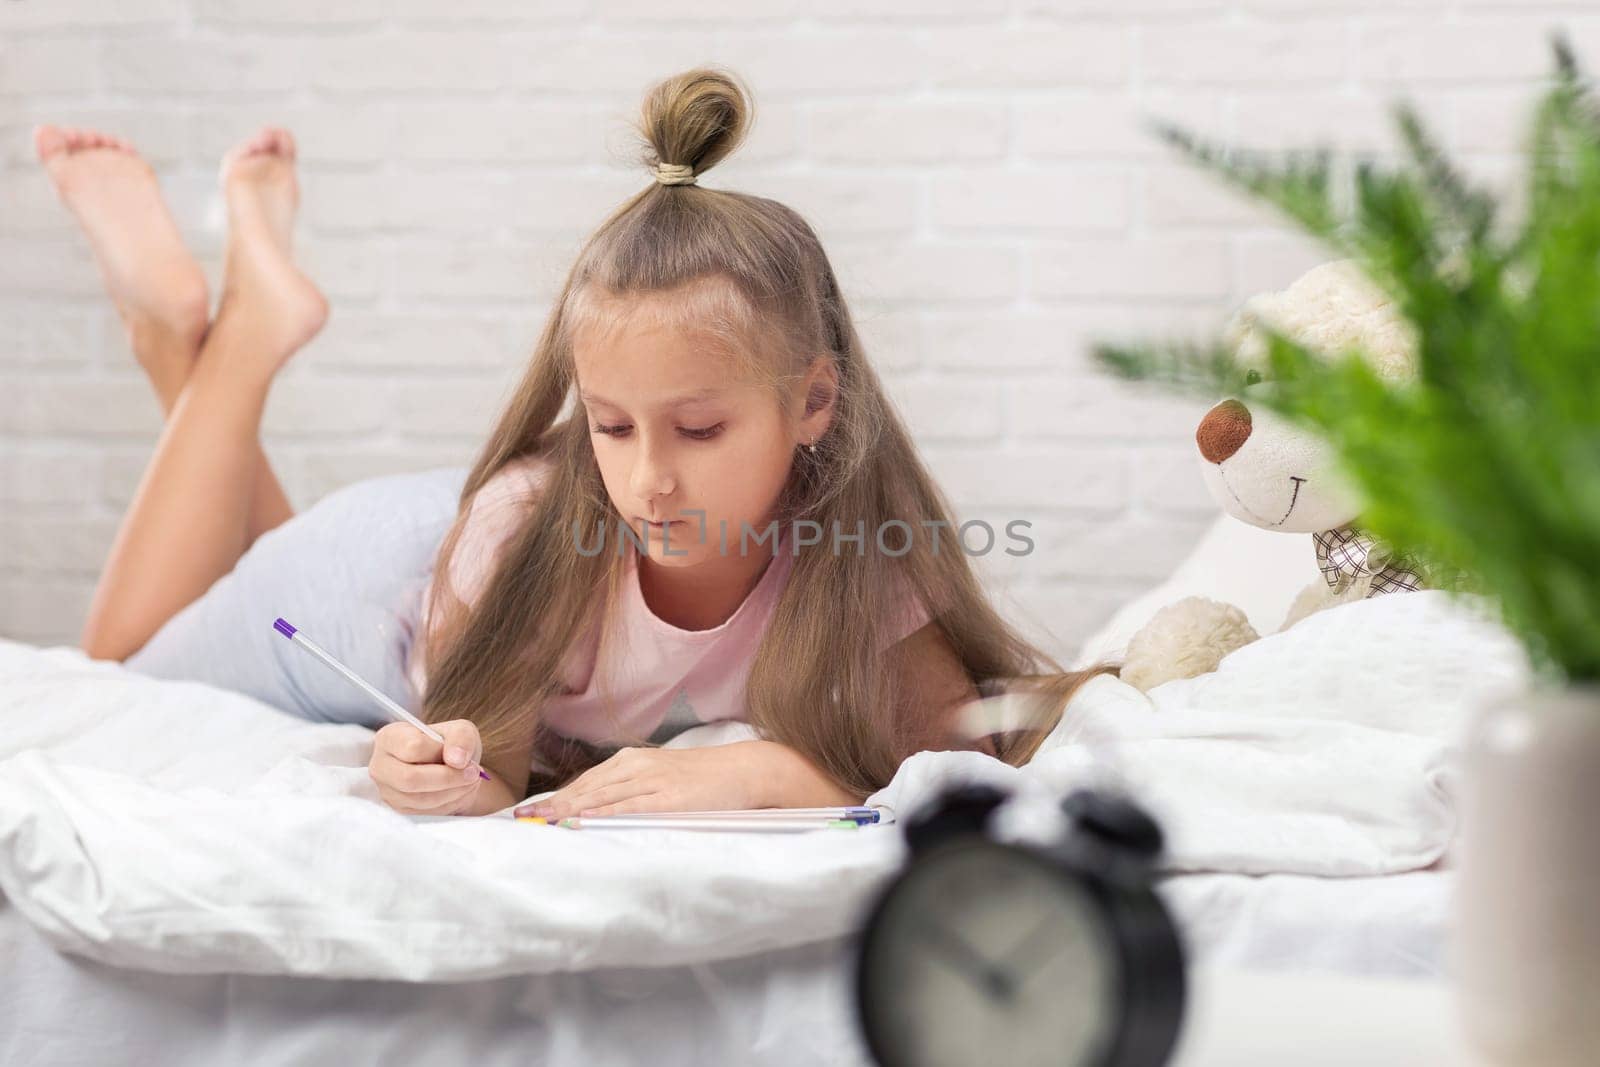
(1278, 476)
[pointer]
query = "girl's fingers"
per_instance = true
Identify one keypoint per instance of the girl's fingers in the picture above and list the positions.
(407, 743)
(596, 777)
(605, 771)
(563, 801)
(462, 744)
(423, 796)
(423, 803)
(590, 799)
(421, 777)
(611, 773)
(446, 804)
(432, 796)
(644, 802)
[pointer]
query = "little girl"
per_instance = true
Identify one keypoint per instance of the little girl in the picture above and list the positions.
(699, 506)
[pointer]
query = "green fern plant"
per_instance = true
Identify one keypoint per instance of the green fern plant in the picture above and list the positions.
(1488, 466)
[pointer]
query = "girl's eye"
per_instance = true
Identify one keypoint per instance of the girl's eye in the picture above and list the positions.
(695, 435)
(702, 435)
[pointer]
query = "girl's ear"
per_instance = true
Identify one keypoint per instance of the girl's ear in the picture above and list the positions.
(817, 394)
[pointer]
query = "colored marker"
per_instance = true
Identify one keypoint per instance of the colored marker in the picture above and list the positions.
(855, 814)
(757, 826)
(395, 711)
(867, 815)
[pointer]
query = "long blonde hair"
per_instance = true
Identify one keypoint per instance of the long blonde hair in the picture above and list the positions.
(750, 273)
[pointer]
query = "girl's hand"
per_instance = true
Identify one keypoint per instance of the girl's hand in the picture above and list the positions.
(419, 776)
(665, 779)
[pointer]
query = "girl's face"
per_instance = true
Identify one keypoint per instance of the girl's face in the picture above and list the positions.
(676, 432)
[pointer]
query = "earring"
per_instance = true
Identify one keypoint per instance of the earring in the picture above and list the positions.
(812, 448)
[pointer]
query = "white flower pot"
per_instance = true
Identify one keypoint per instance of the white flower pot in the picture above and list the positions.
(1528, 906)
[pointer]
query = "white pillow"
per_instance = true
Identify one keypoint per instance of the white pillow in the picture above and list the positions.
(1258, 571)
(350, 571)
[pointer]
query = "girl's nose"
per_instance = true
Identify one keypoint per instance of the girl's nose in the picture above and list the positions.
(652, 476)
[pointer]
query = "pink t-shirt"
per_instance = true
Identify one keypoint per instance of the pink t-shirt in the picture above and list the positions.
(661, 679)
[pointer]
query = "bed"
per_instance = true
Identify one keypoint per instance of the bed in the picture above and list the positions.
(191, 876)
(780, 1007)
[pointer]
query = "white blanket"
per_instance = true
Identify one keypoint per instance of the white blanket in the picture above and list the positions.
(178, 827)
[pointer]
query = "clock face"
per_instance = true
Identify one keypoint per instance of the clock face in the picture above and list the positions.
(983, 953)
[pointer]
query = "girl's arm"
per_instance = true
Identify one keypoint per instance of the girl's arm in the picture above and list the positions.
(764, 774)
(790, 780)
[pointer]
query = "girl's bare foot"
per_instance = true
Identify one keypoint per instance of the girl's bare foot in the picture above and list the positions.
(261, 289)
(155, 283)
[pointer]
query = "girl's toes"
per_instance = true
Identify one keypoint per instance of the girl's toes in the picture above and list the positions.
(48, 140)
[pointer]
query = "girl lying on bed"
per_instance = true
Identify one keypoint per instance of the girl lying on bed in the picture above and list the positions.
(717, 385)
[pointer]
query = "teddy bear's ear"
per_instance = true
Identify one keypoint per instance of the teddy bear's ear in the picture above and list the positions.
(1237, 325)
(1331, 308)
(1242, 336)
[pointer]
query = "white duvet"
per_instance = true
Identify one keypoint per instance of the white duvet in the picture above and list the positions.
(177, 827)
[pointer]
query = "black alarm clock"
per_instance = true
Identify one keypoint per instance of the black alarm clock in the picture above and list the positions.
(985, 950)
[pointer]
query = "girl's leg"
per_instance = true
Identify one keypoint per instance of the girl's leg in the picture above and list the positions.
(152, 279)
(269, 505)
(189, 520)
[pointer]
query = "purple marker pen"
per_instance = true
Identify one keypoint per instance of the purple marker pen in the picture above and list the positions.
(395, 711)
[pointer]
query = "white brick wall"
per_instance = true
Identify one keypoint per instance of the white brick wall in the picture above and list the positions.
(976, 168)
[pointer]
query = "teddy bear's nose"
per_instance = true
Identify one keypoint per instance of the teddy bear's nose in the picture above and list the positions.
(1223, 431)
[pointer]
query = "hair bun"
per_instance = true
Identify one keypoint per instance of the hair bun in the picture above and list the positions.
(693, 120)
